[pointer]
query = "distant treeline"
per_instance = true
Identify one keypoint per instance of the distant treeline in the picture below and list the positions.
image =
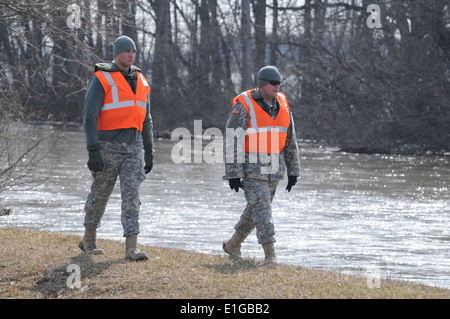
(349, 83)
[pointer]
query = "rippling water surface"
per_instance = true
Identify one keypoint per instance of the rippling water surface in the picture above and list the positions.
(358, 214)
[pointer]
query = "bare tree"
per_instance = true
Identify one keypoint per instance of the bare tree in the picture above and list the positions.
(259, 12)
(274, 36)
(246, 43)
(352, 86)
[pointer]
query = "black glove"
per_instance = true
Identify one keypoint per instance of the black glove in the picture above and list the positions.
(235, 183)
(148, 158)
(95, 162)
(292, 180)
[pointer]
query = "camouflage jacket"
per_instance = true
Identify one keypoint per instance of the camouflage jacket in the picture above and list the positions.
(267, 167)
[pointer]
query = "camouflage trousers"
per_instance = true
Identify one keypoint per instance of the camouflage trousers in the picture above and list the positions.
(123, 161)
(258, 212)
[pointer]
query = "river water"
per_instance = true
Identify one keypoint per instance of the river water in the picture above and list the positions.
(379, 216)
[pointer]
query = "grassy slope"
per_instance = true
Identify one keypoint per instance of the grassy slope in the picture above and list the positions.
(34, 265)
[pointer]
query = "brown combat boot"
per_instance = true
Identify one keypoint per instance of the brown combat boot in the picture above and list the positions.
(269, 252)
(88, 245)
(233, 246)
(132, 253)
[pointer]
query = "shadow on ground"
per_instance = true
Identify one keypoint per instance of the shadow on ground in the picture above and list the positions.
(59, 280)
(233, 267)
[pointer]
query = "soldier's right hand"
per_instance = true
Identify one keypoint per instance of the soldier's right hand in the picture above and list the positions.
(235, 183)
(95, 162)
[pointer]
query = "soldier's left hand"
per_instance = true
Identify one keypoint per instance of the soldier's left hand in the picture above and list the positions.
(292, 180)
(148, 157)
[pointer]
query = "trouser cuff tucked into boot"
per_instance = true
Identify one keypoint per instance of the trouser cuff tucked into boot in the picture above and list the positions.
(132, 253)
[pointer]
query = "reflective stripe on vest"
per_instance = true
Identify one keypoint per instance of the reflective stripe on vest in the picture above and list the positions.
(121, 107)
(264, 134)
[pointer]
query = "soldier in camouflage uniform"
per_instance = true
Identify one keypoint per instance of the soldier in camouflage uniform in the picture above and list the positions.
(118, 128)
(258, 175)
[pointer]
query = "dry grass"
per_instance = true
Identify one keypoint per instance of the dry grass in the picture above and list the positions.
(34, 265)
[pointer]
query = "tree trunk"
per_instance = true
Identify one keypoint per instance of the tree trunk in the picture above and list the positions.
(259, 11)
(246, 43)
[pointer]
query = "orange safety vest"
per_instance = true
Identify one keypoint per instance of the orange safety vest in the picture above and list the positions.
(264, 134)
(121, 107)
